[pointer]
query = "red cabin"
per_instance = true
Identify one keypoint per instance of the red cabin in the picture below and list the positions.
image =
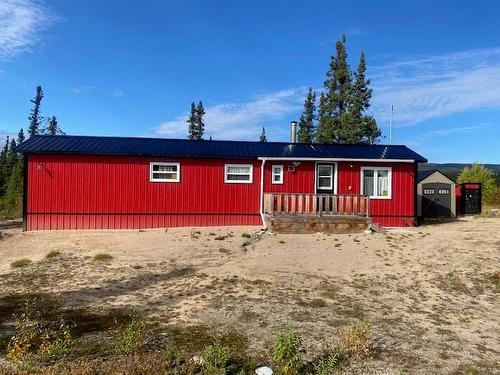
(82, 182)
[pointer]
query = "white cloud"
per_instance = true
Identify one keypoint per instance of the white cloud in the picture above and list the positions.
(240, 120)
(459, 129)
(117, 92)
(21, 24)
(80, 89)
(436, 86)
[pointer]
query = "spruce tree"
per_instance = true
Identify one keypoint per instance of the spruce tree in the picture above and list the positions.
(4, 167)
(334, 116)
(20, 136)
(192, 131)
(342, 109)
(200, 124)
(34, 118)
(53, 127)
(324, 131)
(263, 137)
(306, 123)
(368, 131)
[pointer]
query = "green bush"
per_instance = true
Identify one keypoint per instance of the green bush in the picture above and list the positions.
(479, 173)
(327, 364)
(132, 337)
(286, 352)
(215, 359)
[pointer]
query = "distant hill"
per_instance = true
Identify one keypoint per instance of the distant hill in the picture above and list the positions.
(452, 169)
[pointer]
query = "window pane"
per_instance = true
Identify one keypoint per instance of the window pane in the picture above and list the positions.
(238, 177)
(383, 183)
(368, 182)
(277, 170)
(324, 182)
(238, 169)
(324, 170)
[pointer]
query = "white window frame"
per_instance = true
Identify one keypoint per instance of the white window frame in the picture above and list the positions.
(281, 174)
(227, 166)
(375, 181)
(151, 164)
(334, 179)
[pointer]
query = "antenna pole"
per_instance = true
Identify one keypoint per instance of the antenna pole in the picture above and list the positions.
(390, 123)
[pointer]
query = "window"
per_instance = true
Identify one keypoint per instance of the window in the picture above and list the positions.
(238, 173)
(428, 191)
(376, 182)
(443, 191)
(277, 174)
(164, 172)
(325, 177)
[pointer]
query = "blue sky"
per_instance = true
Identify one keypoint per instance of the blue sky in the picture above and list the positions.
(132, 68)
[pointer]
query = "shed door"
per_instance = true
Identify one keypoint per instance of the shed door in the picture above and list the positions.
(436, 200)
(472, 199)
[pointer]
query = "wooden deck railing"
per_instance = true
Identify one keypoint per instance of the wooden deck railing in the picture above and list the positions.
(316, 204)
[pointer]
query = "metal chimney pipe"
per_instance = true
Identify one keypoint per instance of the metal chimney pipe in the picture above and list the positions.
(293, 131)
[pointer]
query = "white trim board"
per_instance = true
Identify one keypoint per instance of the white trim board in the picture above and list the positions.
(339, 159)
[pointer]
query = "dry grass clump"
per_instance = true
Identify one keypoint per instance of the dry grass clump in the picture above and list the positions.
(21, 263)
(355, 340)
(102, 257)
(53, 254)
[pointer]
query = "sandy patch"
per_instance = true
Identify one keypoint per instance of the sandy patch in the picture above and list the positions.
(428, 291)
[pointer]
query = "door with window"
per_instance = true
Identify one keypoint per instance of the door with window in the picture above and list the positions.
(325, 178)
(436, 200)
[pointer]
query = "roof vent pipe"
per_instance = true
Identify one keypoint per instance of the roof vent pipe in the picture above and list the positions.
(293, 131)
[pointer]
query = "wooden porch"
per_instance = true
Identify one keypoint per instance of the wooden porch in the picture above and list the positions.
(306, 213)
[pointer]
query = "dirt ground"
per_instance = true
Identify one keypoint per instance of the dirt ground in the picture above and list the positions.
(431, 293)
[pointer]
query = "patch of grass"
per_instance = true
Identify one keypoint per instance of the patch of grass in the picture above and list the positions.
(220, 238)
(21, 263)
(215, 358)
(132, 337)
(248, 315)
(102, 257)
(286, 352)
(314, 303)
(53, 254)
(355, 340)
(224, 250)
(246, 235)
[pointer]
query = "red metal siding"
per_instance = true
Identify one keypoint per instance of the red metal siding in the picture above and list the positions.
(299, 181)
(87, 192)
(399, 211)
(396, 212)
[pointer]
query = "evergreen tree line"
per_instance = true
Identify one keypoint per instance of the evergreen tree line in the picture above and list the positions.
(339, 117)
(12, 162)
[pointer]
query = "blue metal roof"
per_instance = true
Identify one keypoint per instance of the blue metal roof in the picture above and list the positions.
(77, 144)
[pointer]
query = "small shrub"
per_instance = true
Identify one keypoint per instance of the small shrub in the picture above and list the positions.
(132, 337)
(35, 340)
(286, 352)
(102, 257)
(327, 364)
(355, 340)
(246, 235)
(53, 254)
(220, 238)
(215, 359)
(21, 263)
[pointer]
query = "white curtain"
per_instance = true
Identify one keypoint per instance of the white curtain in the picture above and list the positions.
(382, 183)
